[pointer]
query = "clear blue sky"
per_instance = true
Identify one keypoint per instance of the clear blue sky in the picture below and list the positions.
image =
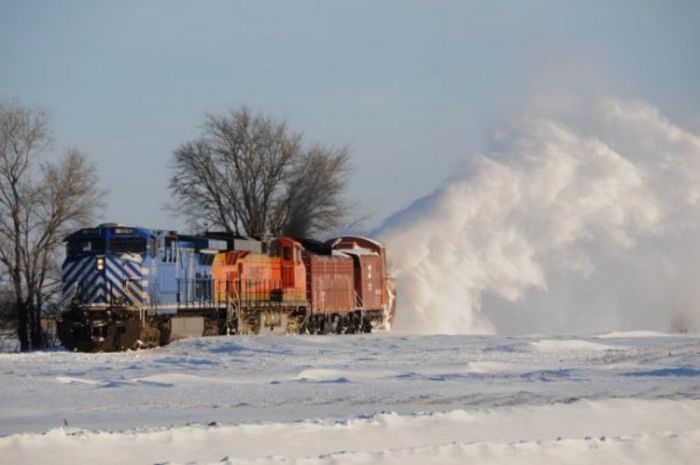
(413, 87)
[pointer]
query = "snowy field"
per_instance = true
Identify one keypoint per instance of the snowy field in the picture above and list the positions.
(617, 398)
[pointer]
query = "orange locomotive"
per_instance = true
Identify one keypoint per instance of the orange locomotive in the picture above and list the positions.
(341, 286)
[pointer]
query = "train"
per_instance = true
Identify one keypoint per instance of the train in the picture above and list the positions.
(127, 287)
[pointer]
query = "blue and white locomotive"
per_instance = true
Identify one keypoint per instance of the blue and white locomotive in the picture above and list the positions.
(135, 277)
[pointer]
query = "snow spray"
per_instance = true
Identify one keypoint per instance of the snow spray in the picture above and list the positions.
(585, 224)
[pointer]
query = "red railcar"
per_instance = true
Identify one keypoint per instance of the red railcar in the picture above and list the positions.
(373, 286)
(330, 279)
(330, 283)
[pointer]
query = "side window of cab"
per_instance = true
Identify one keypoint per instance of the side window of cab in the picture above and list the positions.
(169, 252)
(274, 249)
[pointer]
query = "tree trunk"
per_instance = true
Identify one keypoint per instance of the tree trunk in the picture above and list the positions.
(28, 308)
(37, 333)
(22, 326)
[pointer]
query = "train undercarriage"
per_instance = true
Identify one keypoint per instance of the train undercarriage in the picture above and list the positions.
(112, 328)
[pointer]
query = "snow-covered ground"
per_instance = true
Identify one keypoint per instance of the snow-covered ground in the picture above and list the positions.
(383, 398)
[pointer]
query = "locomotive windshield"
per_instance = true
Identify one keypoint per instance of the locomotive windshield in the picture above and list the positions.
(86, 246)
(122, 245)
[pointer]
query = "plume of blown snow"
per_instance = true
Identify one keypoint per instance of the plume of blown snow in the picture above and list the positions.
(581, 223)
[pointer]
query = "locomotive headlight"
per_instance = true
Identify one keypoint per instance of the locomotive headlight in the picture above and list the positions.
(100, 263)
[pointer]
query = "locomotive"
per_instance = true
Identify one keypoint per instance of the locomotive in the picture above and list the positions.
(131, 287)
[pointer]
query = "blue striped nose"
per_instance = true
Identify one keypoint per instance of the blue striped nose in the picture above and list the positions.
(106, 280)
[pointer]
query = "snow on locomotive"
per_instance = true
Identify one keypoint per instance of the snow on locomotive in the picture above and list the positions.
(129, 287)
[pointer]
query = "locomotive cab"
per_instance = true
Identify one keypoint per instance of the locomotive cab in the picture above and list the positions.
(264, 289)
(104, 287)
(103, 265)
(293, 274)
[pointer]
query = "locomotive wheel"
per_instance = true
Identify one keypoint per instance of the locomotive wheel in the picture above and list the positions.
(249, 323)
(165, 329)
(150, 336)
(366, 325)
(211, 327)
(319, 323)
(324, 325)
(352, 325)
(314, 325)
(336, 324)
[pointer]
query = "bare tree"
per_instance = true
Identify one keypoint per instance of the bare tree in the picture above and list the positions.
(7, 319)
(250, 174)
(40, 201)
(315, 202)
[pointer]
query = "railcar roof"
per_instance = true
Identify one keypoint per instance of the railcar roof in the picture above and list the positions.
(358, 251)
(336, 241)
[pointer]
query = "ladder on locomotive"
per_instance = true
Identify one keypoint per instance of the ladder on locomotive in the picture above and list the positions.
(359, 303)
(233, 308)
